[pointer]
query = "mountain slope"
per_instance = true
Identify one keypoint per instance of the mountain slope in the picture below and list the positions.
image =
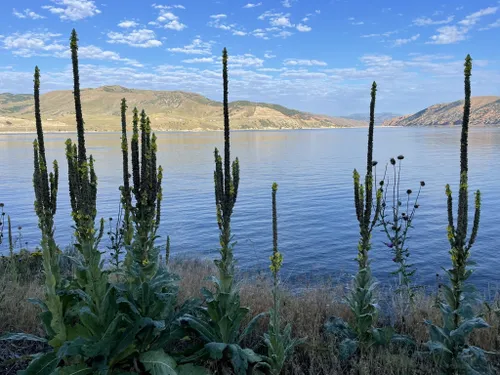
(379, 117)
(168, 110)
(485, 111)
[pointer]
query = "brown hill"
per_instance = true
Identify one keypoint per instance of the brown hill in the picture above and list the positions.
(485, 111)
(168, 110)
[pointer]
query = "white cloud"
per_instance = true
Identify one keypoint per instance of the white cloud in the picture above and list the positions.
(492, 25)
(245, 60)
(386, 34)
(197, 47)
(302, 74)
(175, 25)
(168, 6)
(303, 62)
(252, 5)
(73, 10)
(400, 42)
(426, 21)
(358, 23)
(218, 16)
(282, 21)
(303, 28)
(449, 35)
(199, 60)
(96, 53)
(33, 43)
(126, 24)
(269, 55)
(142, 38)
(305, 19)
(239, 33)
(27, 13)
(168, 19)
(474, 18)
(458, 33)
(283, 34)
(287, 3)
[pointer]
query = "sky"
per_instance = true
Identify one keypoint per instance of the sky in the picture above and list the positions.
(319, 56)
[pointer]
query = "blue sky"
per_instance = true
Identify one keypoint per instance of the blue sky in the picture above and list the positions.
(314, 55)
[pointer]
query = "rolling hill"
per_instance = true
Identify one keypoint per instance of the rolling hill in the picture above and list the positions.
(168, 110)
(485, 111)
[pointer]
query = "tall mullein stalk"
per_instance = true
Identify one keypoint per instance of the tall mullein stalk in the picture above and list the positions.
(457, 235)
(361, 300)
(145, 215)
(82, 181)
(227, 179)
(121, 234)
(46, 187)
(449, 344)
(11, 241)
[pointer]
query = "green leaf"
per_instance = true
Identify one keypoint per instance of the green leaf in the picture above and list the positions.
(467, 326)
(347, 348)
(21, 337)
(158, 363)
(191, 369)
(216, 349)
(80, 369)
(251, 326)
(43, 365)
(239, 359)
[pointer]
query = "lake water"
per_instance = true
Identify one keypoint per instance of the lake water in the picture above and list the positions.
(318, 230)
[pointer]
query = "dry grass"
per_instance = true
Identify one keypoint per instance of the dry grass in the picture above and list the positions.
(307, 310)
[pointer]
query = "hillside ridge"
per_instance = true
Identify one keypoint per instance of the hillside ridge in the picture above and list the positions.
(168, 110)
(485, 111)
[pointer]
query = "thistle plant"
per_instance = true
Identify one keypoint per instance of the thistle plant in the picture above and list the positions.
(396, 219)
(449, 344)
(219, 323)
(280, 344)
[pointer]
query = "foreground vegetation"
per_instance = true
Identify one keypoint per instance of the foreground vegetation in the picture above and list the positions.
(145, 313)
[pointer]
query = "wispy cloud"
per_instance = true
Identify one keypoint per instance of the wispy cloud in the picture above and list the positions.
(142, 38)
(218, 16)
(303, 28)
(197, 47)
(126, 24)
(30, 44)
(252, 5)
(492, 25)
(304, 62)
(426, 21)
(73, 10)
(199, 60)
(400, 42)
(458, 33)
(386, 34)
(27, 13)
(474, 18)
(167, 19)
(287, 3)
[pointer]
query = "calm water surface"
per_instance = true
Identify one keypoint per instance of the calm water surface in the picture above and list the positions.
(317, 226)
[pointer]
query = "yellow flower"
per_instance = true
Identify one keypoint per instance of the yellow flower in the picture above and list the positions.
(145, 262)
(276, 262)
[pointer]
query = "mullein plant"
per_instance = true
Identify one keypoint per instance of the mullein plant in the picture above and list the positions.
(280, 344)
(219, 323)
(396, 219)
(449, 344)
(93, 326)
(120, 234)
(362, 334)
